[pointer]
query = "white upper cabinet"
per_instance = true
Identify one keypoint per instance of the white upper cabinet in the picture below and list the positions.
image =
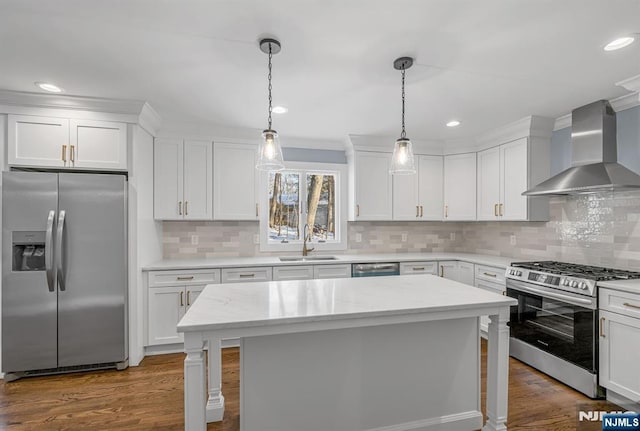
(182, 179)
(460, 187)
(235, 191)
(63, 143)
(419, 196)
(503, 174)
(489, 184)
(430, 175)
(373, 186)
(198, 180)
(98, 144)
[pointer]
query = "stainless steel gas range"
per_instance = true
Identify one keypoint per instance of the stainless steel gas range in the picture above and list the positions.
(554, 325)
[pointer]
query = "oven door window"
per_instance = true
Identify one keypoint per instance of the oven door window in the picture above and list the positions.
(562, 329)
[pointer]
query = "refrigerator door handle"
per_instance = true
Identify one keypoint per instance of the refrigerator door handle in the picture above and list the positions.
(59, 248)
(48, 251)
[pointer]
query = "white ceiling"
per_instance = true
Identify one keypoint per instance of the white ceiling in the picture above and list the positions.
(485, 62)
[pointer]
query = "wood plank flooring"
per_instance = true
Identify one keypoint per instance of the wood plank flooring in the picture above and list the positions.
(150, 397)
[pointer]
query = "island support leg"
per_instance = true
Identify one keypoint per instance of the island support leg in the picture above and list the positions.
(215, 403)
(194, 383)
(497, 372)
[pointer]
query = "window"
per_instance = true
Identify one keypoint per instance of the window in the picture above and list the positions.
(304, 194)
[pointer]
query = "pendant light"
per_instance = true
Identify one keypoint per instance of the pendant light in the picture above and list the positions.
(402, 162)
(270, 157)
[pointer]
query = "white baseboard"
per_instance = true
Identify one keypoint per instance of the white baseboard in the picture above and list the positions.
(454, 422)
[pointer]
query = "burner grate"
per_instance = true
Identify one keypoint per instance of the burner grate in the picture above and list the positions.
(596, 273)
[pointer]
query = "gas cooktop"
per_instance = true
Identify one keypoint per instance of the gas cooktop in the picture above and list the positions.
(596, 273)
(570, 277)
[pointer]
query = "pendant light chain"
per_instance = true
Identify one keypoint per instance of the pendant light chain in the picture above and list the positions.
(403, 135)
(269, 77)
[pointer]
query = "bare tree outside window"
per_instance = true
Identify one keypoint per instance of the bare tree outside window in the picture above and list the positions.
(286, 212)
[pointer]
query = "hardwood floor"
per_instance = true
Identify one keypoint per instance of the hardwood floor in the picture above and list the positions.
(150, 397)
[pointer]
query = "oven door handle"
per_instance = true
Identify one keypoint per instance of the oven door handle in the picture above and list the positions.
(589, 303)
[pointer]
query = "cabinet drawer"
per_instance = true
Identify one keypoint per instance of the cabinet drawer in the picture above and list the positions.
(490, 273)
(491, 287)
(616, 301)
(332, 271)
(407, 268)
(182, 278)
(299, 272)
(242, 275)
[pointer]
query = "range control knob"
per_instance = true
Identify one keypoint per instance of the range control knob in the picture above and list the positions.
(518, 273)
(564, 282)
(574, 284)
(582, 285)
(512, 271)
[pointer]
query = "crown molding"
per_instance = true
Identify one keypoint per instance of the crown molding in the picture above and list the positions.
(384, 144)
(57, 105)
(149, 119)
(238, 135)
(631, 84)
(618, 104)
(533, 125)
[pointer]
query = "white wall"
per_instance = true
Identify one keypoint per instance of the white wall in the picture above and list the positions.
(145, 235)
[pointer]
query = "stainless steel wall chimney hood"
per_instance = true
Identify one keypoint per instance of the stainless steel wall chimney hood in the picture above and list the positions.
(594, 156)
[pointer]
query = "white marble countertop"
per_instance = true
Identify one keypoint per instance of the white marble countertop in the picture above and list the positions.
(631, 286)
(244, 305)
(230, 262)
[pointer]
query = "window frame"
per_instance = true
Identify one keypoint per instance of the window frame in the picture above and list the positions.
(340, 206)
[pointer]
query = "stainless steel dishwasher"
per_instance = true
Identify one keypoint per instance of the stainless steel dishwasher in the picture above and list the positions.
(375, 269)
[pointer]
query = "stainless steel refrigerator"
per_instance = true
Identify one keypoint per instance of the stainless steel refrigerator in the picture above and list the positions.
(64, 272)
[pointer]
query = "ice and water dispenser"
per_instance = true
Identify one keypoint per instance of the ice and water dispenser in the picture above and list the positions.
(28, 251)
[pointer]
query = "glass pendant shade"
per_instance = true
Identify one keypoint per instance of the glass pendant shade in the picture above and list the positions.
(402, 162)
(270, 156)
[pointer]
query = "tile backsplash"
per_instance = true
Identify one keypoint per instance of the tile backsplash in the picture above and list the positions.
(596, 229)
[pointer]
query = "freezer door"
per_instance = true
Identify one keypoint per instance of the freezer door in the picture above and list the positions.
(92, 269)
(29, 303)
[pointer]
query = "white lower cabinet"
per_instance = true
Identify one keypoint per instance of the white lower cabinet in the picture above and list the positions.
(457, 270)
(332, 271)
(619, 340)
(167, 305)
(297, 272)
(408, 268)
(170, 294)
(491, 279)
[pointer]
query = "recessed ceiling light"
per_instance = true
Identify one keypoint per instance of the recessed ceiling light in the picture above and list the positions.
(619, 43)
(279, 110)
(453, 123)
(47, 86)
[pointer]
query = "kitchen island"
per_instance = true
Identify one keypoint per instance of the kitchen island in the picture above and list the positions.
(382, 353)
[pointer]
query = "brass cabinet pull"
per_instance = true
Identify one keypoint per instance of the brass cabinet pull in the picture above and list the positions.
(73, 153)
(441, 271)
(181, 299)
(186, 207)
(64, 153)
(421, 211)
(180, 208)
(626, 304)
(358, 210)
(247, 275)
(602, 327)
(184, 278)
(417, 210)
(495, 210)
(501, 214)
(488, 274)
(418, 268)
(188, 297)
(256, 210)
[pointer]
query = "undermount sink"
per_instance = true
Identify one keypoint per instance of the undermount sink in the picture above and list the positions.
(307, 258)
